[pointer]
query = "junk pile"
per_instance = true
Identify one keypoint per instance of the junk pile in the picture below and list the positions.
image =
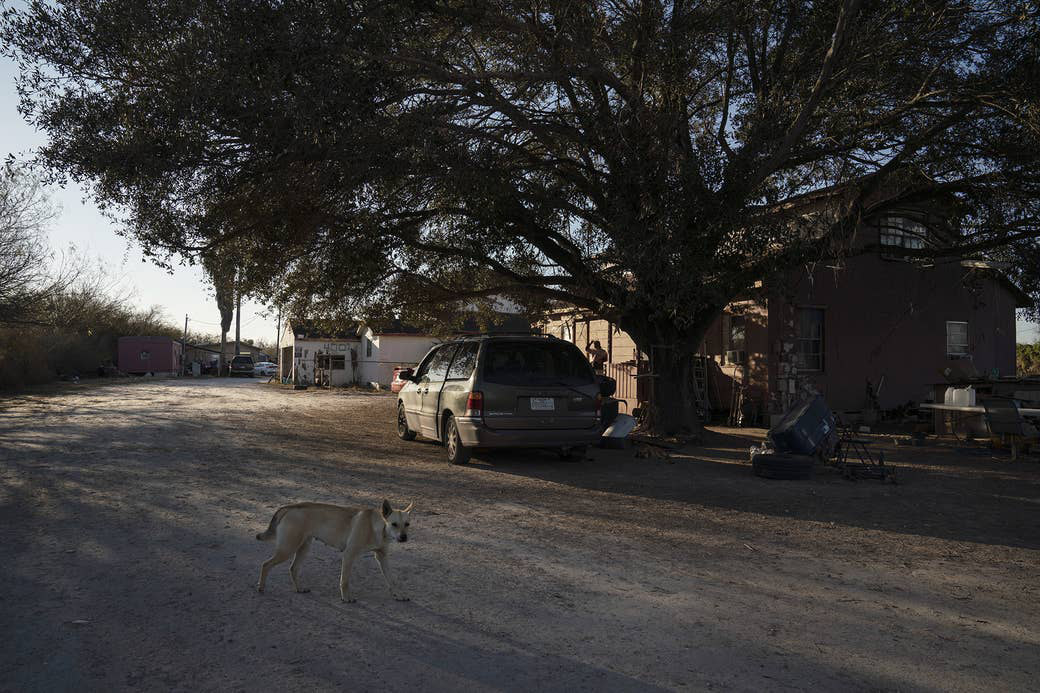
(810, 432)
(805, 434)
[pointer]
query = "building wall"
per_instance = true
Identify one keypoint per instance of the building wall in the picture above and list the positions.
(753, 372)
(306, 354)
(369, 358)
(246, 349)
(378, 354)
(158, 355)
(885, 323)
(623, 362)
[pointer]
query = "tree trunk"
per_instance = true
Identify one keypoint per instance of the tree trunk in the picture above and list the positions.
(223, 348)
(672, 408)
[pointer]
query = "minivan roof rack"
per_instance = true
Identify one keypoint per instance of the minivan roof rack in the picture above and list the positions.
(510, 333)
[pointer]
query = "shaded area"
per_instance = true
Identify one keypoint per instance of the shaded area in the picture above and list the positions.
(133, 509)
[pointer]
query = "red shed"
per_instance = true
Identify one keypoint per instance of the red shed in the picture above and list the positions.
(157, 355)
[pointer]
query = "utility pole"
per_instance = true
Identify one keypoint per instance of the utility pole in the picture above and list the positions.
(184, 342)
(278, 342)
(238, 318)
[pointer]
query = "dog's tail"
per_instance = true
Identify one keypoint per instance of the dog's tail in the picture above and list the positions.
(268, 534)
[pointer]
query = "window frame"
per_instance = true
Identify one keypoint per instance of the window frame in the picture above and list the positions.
(735, 321)
(903, 229)
(475, 346)
(799, 340)
(967, 345)
(452, 347)
(424, 365)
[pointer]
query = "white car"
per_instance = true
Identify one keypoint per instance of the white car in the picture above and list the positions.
(265, 368)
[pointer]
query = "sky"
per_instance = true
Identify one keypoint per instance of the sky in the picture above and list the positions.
(80, 224)
(185, 291)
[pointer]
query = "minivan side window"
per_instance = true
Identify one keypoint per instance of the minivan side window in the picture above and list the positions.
(424, 367)
(439, 362)
(465, 361)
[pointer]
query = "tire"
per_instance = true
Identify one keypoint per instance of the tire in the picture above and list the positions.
(779, 466)
(457, 452)
(574, 454)
(403, 432)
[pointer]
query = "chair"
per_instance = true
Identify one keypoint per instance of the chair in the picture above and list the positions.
(1004, 419)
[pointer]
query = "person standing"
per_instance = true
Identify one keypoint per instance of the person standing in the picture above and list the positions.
(598, 356)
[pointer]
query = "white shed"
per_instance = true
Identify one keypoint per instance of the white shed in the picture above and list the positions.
(382, 350)
(311, 354)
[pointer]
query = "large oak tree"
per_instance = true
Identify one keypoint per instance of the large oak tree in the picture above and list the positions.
(644, 160)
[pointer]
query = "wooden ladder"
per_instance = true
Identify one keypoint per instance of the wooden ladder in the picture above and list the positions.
(737, 399)
(700, 385)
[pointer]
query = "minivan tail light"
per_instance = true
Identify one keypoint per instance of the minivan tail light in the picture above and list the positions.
(475, 404)
(599, 404)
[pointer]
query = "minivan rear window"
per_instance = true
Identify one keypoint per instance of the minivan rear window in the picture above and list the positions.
(242, 359)
(536, 363)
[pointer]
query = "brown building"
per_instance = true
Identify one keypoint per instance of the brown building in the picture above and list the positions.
(884, 329)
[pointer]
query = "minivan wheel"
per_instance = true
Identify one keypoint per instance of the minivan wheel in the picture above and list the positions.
(457, 452)
(403, 432)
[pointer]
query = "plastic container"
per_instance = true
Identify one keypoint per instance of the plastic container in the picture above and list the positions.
(960, 396)
(804, 428)
(616, 435)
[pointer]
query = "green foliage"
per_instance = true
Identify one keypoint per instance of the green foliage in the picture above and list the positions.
(1027, 358)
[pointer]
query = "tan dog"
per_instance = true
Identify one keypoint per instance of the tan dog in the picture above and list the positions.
(350, 530)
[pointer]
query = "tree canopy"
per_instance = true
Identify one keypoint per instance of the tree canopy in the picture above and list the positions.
(648, 161)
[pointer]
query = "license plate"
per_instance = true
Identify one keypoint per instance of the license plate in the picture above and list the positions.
(543, 404)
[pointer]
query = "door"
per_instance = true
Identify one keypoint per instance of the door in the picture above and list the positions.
(412, 393)
(430, 385)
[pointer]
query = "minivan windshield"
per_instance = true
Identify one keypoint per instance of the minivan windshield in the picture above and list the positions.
(536, 363)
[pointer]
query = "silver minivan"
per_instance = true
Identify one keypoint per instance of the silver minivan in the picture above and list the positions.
(497, 391)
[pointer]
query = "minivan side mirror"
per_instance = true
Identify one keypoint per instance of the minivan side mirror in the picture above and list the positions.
(607, 385)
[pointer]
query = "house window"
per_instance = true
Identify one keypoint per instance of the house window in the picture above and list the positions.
(956, 339)
(737, 333)
(368, 347)
(809, 346)
(339, 363)
(901, 232)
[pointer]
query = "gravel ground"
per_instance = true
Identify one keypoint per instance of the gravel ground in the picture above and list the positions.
(128, 513)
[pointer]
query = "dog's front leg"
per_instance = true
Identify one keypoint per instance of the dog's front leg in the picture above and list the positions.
(344, 577)
(384, 568)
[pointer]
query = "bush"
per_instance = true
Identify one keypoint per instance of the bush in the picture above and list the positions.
(1027, 359)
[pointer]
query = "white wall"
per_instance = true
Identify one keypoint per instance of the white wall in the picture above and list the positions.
(387, 351)
(305, 351)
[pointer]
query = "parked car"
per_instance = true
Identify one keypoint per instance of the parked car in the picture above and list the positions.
(496, 391)
(241, 365)
(265, 369)
(398, 382)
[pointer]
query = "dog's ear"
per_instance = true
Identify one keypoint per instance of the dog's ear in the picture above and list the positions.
(409, 508)
(386, 508)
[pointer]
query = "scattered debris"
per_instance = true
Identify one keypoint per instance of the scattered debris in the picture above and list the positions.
(616, 435)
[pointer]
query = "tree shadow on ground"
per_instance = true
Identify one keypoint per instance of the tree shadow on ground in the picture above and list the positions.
(942, 493)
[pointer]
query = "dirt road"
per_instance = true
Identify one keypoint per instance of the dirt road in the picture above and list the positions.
(128, 511)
